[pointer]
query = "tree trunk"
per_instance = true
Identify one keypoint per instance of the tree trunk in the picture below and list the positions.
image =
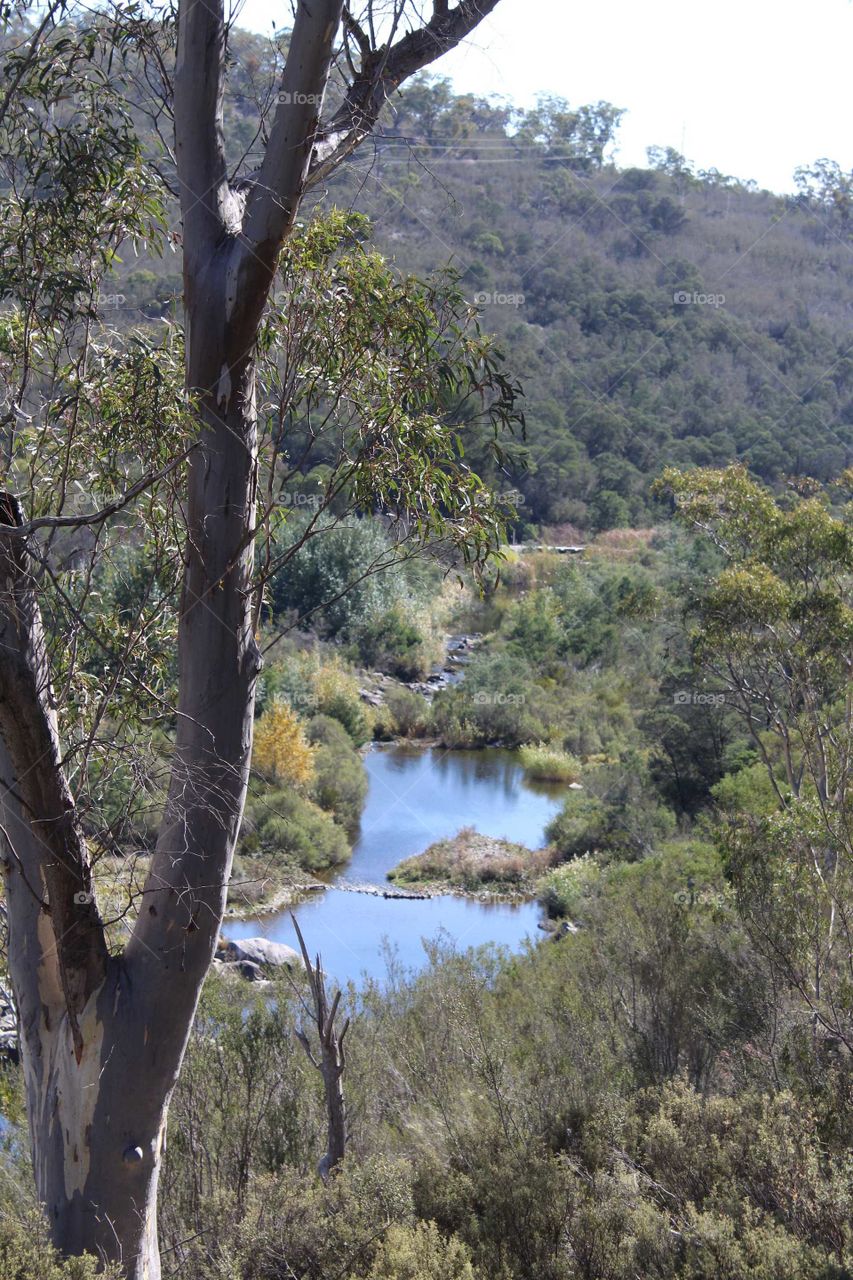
(100, 1065)
(332, 1061)
(103, 1036)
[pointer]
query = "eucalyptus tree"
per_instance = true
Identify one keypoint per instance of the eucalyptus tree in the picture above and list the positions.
(97, 427)
(774, 628)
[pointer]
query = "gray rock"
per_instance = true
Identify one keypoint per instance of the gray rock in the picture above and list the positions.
(566, 927)
(263, 953)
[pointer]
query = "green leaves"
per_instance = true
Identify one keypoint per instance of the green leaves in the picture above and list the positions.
(776, 630)
(74, 183)
(382, 377)
(779, 617)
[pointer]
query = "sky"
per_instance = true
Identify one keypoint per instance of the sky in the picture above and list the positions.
(753, 88)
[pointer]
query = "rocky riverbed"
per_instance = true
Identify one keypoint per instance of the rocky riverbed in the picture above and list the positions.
(457, 652)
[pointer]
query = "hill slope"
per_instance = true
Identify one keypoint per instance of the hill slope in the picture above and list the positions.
(654, 316)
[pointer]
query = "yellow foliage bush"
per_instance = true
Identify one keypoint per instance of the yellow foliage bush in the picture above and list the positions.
(281, 750)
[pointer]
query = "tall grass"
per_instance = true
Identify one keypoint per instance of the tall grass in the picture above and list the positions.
(549, 764)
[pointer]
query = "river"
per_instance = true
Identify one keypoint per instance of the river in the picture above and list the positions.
(417, 796)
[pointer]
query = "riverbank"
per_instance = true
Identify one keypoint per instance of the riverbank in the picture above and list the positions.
(268, 895)
(477, 866)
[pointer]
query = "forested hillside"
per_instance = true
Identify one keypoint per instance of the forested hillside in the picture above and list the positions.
(657, 315)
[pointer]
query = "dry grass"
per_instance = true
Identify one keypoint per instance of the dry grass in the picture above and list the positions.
(473, 863)
(620, 544)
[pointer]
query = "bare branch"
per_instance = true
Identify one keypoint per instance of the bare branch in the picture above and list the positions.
(332, 1061)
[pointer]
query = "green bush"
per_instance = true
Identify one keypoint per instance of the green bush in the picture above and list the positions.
(289, 828)
(749, 791)
(409, 712)
(331, 584)
(392, 642)
(26, 1254)
(498, 703)
(340, 779)
(619, 814)
(580, 827)
(565, 892)
(421, 1253)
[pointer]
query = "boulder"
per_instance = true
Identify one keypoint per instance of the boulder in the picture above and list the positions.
(263, 953)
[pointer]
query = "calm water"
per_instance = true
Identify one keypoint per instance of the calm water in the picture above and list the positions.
(416, 797)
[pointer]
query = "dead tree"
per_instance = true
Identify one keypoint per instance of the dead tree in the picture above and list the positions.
(331, 1062)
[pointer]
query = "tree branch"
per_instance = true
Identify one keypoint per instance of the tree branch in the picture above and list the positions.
(273, 200)
(103, 513)
(384, 70)
(332, 1061)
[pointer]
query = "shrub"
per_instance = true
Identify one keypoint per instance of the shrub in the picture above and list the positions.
(498, 703)
(565, 891)
(290, 828)
(338, 697)
(748, 791)
(340, 779)
(331, 583)
(393, 642)
(579, 827)
(421, 1253)
(549, 764)
(409, 712)
(26, 1254)
(281, 751)
(619, 814)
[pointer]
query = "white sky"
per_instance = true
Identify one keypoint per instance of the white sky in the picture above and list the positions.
(751, 87)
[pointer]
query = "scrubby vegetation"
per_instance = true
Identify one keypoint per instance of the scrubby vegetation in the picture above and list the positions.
(639, 1098)
(475, 863)
(664, 1090)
